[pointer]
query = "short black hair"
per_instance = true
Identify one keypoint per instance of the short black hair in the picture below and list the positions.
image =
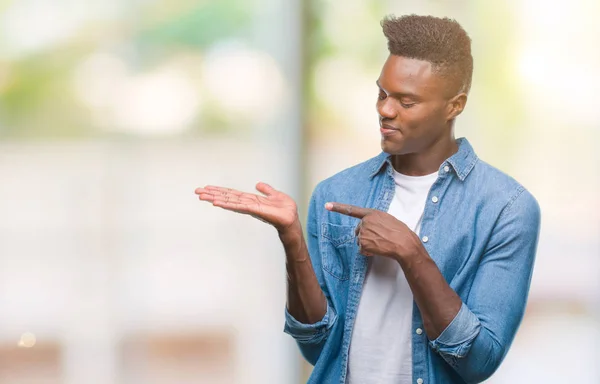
(440, 41)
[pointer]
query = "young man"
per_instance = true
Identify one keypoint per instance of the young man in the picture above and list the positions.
(419, 261)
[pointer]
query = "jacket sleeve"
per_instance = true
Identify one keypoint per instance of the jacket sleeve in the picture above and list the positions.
(311, 338)
(478, 338)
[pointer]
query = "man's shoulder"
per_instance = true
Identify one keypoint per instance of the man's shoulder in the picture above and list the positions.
(495, 184)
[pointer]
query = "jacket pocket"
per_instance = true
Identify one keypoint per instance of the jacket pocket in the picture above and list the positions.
(337, 249)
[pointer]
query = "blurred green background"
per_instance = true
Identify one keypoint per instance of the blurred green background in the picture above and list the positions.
(112, 112)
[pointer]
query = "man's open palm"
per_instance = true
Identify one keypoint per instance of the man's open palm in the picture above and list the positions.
(275, 208)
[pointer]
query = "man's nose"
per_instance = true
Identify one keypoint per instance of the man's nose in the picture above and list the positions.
(386, 110)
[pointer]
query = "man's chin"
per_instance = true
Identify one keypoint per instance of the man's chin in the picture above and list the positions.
(392, 148)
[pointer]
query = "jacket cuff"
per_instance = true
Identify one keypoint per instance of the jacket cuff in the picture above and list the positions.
(310, 333)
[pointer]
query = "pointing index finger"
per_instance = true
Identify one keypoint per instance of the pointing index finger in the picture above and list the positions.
(347, 209)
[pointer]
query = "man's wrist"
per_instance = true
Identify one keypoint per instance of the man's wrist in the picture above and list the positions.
(292, 235)
(416, 252)
(291, 230)
(293, 242)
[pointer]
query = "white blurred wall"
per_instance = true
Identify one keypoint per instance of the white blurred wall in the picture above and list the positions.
(101, 242)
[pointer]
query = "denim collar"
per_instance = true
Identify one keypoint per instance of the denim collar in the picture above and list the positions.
(462, 161)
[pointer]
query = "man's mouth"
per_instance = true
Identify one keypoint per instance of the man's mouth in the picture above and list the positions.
(387, 130)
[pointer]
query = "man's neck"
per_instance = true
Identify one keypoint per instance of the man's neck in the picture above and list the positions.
(425, 162)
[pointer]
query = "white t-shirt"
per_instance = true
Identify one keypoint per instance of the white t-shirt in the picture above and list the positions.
(381, 346)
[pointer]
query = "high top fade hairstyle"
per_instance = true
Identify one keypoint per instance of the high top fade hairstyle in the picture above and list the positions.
(441, 42)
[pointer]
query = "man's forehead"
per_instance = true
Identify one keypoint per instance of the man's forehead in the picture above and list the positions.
(408, 66)
(399, 71)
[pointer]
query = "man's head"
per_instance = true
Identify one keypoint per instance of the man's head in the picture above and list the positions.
(424, 83)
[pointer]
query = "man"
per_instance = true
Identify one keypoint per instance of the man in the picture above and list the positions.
(369, 300)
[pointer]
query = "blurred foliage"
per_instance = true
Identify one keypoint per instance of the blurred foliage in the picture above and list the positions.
(37, 101)
(36, 95)
(501, 106)
(197, 26)
(354, 38)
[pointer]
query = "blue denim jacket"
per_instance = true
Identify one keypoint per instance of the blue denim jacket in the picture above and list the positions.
(481, 230)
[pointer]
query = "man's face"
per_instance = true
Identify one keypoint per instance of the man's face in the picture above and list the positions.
(412, 105)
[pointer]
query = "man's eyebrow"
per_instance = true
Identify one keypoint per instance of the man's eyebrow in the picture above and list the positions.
(398, 94)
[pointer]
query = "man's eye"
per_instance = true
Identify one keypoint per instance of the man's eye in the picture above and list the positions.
(409, 105)
(382, 95)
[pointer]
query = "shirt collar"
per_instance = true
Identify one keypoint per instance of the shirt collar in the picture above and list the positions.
(462, 161)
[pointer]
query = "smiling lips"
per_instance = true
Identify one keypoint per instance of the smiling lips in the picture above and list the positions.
(387, 130)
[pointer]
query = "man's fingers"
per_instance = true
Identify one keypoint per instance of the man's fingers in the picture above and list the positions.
(349, 210)
(210, 193)
(357, 230)
(233, 206)
(265, 189)
(230, 199)
(246, 198)
(219, 190)
(206, 196)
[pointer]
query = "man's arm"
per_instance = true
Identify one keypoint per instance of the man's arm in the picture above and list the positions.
(310, 330)
(309, 317)
(471, 335)
(381, 234)
(437, 302)
(305, 299)
(474, 336)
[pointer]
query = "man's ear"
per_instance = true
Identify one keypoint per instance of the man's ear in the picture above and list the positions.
(456, 105)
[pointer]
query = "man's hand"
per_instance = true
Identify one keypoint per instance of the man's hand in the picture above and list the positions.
(380, 233)
(306, 301)
(275, 208)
